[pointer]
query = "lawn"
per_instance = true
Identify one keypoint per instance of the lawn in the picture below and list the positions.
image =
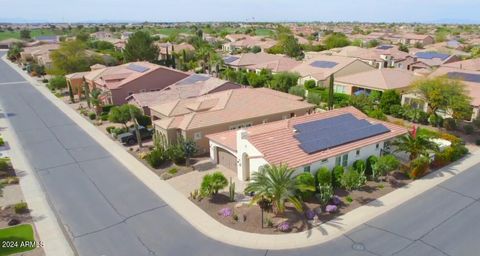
(11, 239)
(33, 33)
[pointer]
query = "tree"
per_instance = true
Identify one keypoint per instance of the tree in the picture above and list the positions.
(82, 36)
(336, 40)
(388, 99)
(212, 183)
(95, 100)
(13, 53)
(305, 180)
(25, 34)
(283, 81)
(121, 114)
(57, 83)
(71, 57)
(403, 48)
(414, 144)
(189, 149)
(291, 47)
(277, 185)
(330, 92)
(442, 93)
(140, 47)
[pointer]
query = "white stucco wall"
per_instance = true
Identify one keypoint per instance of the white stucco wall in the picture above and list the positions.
(255, 158)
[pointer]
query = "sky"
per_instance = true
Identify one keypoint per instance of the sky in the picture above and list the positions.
(426, 11)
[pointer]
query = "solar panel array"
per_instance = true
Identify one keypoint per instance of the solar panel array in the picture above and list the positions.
(464, 76)
(335, 131)
(323, 64)
(137, 68)
(385, 47)
(230, 59)
(193, 79)
(432, 55)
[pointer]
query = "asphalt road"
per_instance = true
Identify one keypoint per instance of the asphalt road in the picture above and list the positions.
(107, 211)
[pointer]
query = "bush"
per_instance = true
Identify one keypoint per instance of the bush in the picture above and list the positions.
(21, 208)
(307, 179)
(468, 128)
(297, 90)
(455, 152)
(377, 114)
(106, 108)
(310, 84)
(104, 117)
(3, 165)
(396, 111)
(45, 81)
(110, 129)
(324, 176)
(57, 83)
(119, 130)
(92, 115)
(155, 158)
(212, 183)
(418, 167)
(385, 165)
(450, 124)
(314, 98)
(176, 154)
(371, 160)
(359, 166)
(2, 142)
(325, 193)
(351, 180)
(144, 120)
(435, 120)
(337, 174)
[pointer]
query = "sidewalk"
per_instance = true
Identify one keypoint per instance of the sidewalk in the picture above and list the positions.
(213, 229)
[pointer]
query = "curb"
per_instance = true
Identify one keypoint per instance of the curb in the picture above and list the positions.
(215, 230)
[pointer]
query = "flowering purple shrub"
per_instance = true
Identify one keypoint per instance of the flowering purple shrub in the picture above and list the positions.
(309, 214)
(225, 212)
(336, 200)
(331, 208)
(284, 226)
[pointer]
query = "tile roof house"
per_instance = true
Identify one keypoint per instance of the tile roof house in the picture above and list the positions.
(39, 54)
(470, 64)
(471, 80)
(320, 67)
(245, 42)
(374, 80)
(119, 82)
(258, 61)
(192, 86)
(169, 48)
(193, 118)
(304, 143)
(412, 39)
(101, 35)
(428, 60)
(383, 56)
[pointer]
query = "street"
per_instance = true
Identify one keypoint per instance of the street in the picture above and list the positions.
(107, 211)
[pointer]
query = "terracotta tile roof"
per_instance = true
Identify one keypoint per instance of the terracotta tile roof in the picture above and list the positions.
(277, 144)
(471, 64)
(273, 62)
(381, 79)
(371, 53)
(176, 47)
(231, 106)
(307, 68)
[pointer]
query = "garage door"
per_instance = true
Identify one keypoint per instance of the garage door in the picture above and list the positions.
(226, 159)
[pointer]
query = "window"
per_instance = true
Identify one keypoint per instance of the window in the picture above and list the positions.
(292, 115)
(338, 160)
(306, 169)
(324, 160)
(345, 160)
(197, 136)
(377, 146)
(357, 153)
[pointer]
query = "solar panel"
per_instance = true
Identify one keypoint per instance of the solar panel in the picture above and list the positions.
(193, 79)
(230, 59)
(323, 64)
(432, 55)
(385, 47)
(464, 76)
(335, 131)
(137, 68)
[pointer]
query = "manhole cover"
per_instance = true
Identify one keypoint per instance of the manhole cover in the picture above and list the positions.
(358, 247)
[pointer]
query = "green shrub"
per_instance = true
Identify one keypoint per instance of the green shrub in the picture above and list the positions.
(110, 129)
(297, 90)
(45, 81)
(396, 111)
(21, 208)
(359, 166)
(2, 142)
(418, 167)
(155, 158)
(371, 160)
(337, 173)
(119, 130)
(310, 84)
(468, 128)
(212, 183)
(314, 98)
(450, 124)
(435, 120)
(173, 170)
(176, 154)
(104, 117)
(351, 180)
(324, 176)
(384, 165)
(455, 152)
(57, 83)
(325, 193)
(3, 165)
(106, 108)
(144, 120)
(377, 114)
(92, 115)
(305, 179)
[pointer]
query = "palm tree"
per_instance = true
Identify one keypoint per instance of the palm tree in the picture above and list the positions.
(415, 145)
(95, 100)
(276, 184)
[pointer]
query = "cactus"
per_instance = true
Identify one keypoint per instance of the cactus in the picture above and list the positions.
(231, 191)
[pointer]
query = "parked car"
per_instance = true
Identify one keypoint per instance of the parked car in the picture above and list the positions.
(130, 137)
